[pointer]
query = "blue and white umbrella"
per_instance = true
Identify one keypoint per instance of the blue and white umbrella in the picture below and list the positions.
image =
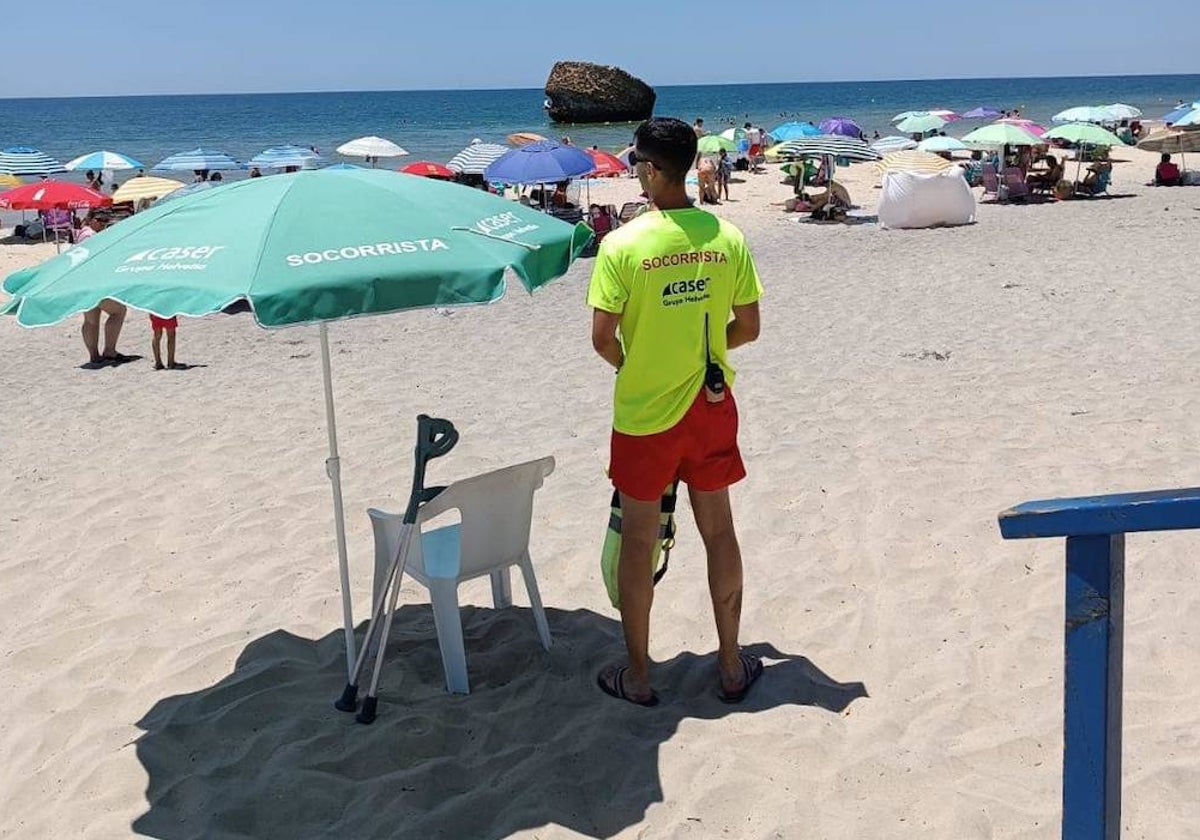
(545, 162)
(1182, 111)
(941, 144)
(1191, 119)
(477, 157)
(22, 160)
(103, 160)
(281, 157)
(198, 159)
(893, 143)
(190, 189)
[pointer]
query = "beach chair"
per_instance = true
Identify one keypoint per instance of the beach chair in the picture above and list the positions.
(496, 511)
(1014, 184)
(629, 210)
(1100, 187)
(991, 181)
(60, 222)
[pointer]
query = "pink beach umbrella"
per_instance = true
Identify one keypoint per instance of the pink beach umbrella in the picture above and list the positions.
(1028, 125)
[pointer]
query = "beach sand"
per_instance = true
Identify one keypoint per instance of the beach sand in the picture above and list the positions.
(171, 620)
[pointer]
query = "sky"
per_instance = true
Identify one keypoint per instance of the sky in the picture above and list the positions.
(129, 47)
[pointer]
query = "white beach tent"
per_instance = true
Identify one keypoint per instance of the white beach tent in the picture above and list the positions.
(922, 200)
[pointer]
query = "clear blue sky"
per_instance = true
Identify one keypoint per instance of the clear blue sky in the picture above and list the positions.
(218, 46)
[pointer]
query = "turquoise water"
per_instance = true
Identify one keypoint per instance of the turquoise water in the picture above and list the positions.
(436, 124)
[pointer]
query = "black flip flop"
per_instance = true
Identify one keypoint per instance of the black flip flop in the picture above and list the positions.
(617, 688)
(752, 669)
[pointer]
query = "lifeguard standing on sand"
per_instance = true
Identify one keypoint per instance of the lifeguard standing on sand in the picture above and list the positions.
(681, 288)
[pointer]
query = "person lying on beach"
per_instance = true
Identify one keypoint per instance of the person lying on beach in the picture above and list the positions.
(830, 204)
(1167, 174)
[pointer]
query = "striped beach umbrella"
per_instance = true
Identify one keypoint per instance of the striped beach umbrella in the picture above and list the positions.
(828, 144)
(103, 160)
(477, 157)
(22, 160)
(893, 143)
(912, 161)
(145, 186)
(281, 157)
(198, 159)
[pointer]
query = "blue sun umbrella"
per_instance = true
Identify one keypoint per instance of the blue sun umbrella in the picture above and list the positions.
(794, 131)
(198, 159)
(281, 157)
(540, 163)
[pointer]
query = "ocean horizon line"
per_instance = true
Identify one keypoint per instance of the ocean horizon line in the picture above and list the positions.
(947, 79)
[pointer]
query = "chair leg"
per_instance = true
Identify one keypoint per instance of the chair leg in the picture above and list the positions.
(501, 588)
(535, 600)
(444, 594)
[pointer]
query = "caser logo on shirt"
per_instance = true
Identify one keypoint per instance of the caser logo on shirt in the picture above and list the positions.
(686, 291)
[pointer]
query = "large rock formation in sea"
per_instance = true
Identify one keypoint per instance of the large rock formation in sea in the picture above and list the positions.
(582, 92)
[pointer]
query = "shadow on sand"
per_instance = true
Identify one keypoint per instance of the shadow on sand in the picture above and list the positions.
(263, 753)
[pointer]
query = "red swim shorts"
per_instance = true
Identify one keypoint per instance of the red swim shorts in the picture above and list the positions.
(164, 323)
(755, 150)
(701, 450)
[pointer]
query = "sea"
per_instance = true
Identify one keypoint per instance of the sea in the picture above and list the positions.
(435, 124)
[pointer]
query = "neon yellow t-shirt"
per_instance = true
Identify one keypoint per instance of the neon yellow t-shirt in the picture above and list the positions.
(662, 272)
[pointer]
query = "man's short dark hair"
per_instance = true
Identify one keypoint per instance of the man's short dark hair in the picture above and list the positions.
(668, 143)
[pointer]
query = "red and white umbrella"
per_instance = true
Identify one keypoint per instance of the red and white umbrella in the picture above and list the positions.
(47, 195)
(606, 164)
(428, 169)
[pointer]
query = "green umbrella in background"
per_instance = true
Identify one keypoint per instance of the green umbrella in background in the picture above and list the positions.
(711, 144)
(312, 246)
(1000, 134)
(919, 123)
(1083, 134)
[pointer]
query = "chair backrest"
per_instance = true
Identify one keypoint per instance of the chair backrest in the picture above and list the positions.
(1014, 180)
(58, 218)
(630, 209)
(496, 510)
(991, 181)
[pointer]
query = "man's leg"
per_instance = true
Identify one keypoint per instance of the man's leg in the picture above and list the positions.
(635, 580)
(171, 347)
(91, 333)
(714, 520)
(112, 325)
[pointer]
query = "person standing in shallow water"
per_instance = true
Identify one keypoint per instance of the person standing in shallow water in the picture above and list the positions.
(672, 292)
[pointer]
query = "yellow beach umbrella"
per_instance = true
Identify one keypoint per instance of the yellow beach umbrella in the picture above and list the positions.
(776, 152)
(524, 138)
(7, 181)
(144, 186)
(912, 161)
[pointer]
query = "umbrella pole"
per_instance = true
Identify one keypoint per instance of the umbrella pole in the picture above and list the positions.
(333, 468)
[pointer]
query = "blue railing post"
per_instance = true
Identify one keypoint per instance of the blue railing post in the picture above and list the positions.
(1095, 613)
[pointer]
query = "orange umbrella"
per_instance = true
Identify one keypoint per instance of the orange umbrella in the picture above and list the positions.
(524, 138)
(428, 169)
(606, 165)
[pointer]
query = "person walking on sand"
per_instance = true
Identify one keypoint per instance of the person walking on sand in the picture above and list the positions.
(672, 292)
(112, 311)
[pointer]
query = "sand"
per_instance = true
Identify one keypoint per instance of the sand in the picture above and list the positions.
(171, 620)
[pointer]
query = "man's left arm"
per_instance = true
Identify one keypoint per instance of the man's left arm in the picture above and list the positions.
(604, 337)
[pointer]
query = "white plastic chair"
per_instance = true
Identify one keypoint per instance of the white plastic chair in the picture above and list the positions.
(496, 511)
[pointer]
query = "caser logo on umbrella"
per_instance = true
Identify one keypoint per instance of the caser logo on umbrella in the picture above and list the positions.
(170, 258)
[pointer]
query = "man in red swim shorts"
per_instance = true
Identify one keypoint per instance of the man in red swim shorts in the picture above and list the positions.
(167, 325)
(680, 287)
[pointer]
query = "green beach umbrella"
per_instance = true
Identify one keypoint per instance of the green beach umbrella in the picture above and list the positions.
(1084, 134)
(1001, 134)
(711, 144)
(919, 123)
(307, 247)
